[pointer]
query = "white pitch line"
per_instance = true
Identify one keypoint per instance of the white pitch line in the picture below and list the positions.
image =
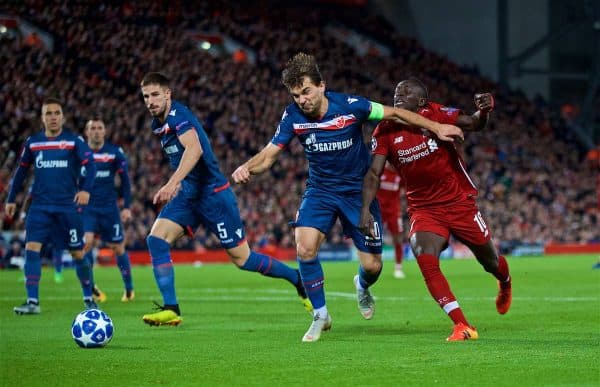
(247, 294)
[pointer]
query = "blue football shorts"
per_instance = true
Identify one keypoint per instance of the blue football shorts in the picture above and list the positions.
(61, 226)
(104, 222)
(320, 209)
(217, 211)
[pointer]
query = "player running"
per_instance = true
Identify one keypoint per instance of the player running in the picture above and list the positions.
(102, 216)
(196, 193)
(388, 197)
(57, 156)
(329, 126)
(441, 196)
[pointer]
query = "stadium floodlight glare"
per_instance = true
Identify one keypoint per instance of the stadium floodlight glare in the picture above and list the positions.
(3, 29)
(205, 45)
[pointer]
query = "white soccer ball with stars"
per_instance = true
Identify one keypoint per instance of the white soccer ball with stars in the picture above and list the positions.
(92, 328)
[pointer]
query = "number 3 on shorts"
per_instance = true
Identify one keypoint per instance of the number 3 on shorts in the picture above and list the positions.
(73, 234)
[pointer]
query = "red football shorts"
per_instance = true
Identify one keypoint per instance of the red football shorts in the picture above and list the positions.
(391, 217)
(462, 220)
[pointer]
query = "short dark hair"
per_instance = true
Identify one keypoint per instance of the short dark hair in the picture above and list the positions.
(155, 78)
(51, 100)
(417, 82)
(94, 117)
(299, 66)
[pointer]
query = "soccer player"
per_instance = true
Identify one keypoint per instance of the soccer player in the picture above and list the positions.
(57, 156)
(102, 216)
(441, 196)
(329, 127)
(197, 192)
(388, 197)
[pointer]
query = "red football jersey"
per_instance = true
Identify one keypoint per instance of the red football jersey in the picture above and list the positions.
(432, 171)
(389, 187)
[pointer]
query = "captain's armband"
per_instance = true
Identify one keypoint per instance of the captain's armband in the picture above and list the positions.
(376, 112)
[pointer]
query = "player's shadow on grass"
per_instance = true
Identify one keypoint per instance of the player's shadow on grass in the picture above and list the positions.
(369, 329)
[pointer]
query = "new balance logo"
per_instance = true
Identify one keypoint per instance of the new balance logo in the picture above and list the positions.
(433, 146)
(352, 100)
(172, 112)
(398, 140)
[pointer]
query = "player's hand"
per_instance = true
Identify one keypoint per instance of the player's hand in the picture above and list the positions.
(365, 224)
(166, 193)
(447, 132)
(125, 215)
(10, 209)
(82, 198)
(241, 174)
(484, 102)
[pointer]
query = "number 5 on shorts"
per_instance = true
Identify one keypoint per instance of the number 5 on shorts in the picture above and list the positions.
(222, 230)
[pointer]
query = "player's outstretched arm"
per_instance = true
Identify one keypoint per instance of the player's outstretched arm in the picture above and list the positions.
(259, 163)
(444, 132)
(189, 159)
(478, 120)
(369, 190)
(14, 188)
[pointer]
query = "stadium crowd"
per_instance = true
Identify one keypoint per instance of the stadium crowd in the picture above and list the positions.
(535, 184)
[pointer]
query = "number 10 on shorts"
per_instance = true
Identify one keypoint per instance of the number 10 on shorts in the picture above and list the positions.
(481, 223)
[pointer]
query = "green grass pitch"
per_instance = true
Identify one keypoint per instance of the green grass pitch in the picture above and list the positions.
(243, 329)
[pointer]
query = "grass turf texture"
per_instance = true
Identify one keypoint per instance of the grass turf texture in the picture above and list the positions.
(243, 329)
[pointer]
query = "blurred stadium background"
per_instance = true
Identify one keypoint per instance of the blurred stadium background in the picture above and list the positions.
(536, 165)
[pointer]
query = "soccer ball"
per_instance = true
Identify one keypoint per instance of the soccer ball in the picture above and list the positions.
(92, 328)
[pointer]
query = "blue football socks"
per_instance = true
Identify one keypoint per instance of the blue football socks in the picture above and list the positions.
(57, 260)
(313, 280)
(125, 268)
(270, 267)
(163, 268)
(89, 258)
(83, 268)
(367, 279)
(33, 272)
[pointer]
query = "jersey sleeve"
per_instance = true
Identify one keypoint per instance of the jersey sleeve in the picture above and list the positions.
(122, 170)
(359, 106)
(445, 114)
(26, 157)
(84, 153)
(21, 173)
(86, 158)
(182, 124)
(285, 131)
(379, 141)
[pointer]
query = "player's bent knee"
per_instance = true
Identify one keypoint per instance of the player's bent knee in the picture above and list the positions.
(374, 266)
(33, 246)
(119, 249)
(239, 254)
(306, 252)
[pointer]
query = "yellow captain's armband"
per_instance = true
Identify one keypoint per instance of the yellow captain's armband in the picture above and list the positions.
(376, 112)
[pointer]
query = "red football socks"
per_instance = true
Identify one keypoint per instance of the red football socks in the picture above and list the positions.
(439, 288)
